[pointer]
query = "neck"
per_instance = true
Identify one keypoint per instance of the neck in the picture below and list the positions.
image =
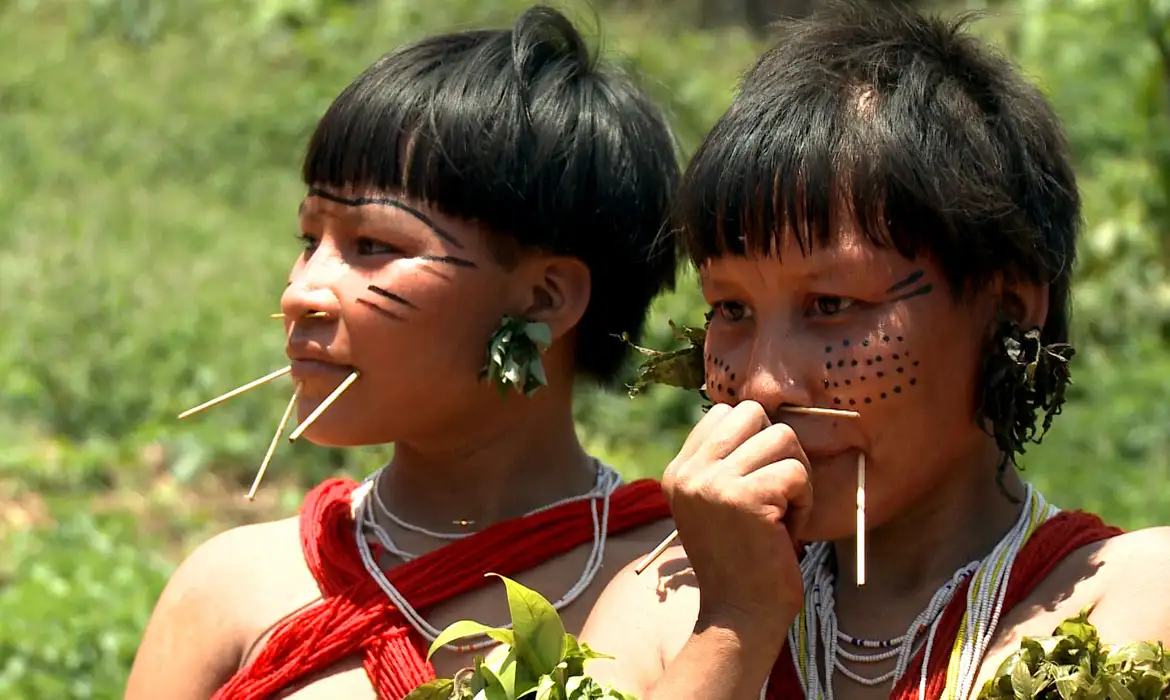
(909, 558)
(508, 462)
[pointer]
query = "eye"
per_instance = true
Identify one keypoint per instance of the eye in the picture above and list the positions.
(372, 246)
(309, 242)
(732, 311)
(831, 306)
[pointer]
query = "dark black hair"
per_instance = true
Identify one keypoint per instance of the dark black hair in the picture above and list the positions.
(909, 127)
(523, 131)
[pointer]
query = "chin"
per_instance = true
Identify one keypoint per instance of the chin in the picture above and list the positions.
(338, 432)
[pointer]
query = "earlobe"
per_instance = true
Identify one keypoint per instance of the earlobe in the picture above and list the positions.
(560, 294)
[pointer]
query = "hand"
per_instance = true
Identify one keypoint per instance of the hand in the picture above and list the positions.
(737, 491)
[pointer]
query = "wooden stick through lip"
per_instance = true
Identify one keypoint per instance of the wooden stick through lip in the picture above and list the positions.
(311, 314)
(861, 519)
(324, 405)
(236, 392)
(809, 411)
(292, 404)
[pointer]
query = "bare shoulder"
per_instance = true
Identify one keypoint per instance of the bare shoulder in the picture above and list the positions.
(643, 620)
(1121, 578)
(213, 606)
(1134, 568)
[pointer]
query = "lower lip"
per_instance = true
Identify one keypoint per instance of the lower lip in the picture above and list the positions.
(315, 368)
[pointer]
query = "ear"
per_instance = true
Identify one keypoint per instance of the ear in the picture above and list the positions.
(557, 292)
(1026, 304)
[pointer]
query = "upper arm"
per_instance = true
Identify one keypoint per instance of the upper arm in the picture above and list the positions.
(193, 641)
(641, 620)
(1134, 606)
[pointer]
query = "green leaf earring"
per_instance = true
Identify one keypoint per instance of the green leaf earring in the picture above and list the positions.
(513, 356)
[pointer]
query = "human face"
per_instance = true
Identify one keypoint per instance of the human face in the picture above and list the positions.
(855, 327)
(412, 297)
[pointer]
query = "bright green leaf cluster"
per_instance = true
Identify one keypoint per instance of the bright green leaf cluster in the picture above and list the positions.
(1073, 664)
(682, 368)
(513, 356)
(535, 660)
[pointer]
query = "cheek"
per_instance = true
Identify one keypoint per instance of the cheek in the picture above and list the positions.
(881, 367)
(723, 378)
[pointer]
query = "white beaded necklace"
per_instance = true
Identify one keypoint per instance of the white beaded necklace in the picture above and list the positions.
(366, 525)
(816, 625)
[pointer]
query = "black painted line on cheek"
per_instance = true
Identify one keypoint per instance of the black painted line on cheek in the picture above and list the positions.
(391, 296)
(924, 289)
(906, 281)
(385, 312)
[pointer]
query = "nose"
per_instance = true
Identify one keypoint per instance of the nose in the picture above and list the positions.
(778, 374)
(312, 287)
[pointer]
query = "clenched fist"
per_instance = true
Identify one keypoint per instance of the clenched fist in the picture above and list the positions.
(738, 491)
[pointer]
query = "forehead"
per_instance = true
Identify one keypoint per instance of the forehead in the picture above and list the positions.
(847, 255)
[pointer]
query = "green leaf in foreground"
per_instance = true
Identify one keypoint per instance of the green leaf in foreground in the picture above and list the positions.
(538, 630)
(535, 660)
(1074, 664)
(467, 628)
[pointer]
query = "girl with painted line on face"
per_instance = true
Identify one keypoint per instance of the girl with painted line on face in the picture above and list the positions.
(460, 180)
(884, 205)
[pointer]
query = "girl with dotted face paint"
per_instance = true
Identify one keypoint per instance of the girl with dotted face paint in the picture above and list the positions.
(884, 222)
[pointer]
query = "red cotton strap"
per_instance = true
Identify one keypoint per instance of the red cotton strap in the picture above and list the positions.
(356, 617)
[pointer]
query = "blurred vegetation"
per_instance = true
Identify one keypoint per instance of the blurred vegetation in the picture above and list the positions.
(150, 154)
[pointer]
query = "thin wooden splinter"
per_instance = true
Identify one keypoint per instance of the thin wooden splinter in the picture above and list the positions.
(324, 405)
(861, 519)
(236, 392)
(804, 410)
(292, 404)
(311, 314)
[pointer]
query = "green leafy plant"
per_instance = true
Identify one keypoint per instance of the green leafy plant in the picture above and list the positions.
(682, 368)
(1073, 664)
(513, 356)
(535, 660)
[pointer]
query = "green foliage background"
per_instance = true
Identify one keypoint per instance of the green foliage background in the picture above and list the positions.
(148, 181)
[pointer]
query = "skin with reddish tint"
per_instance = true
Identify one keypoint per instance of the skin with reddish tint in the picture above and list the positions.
(395, 277)
(855, 328)
(412, 298)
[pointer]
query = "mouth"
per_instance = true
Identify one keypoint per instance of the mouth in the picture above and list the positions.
(310, 360)
(306, 368)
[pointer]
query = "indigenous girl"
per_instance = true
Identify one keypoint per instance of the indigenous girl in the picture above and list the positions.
(470, 184)
(884, 221)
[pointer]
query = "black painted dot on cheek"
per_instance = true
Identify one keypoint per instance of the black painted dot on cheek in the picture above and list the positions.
(731, 392)
(828, 348)
(845, 343)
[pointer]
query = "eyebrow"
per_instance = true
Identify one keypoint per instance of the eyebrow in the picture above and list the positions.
(387, 202)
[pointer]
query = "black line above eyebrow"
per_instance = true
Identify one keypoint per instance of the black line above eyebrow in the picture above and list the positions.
(924, 289)
(391, 296)
(387, 202)
(449, 260)
(907, 281)
(385, 312)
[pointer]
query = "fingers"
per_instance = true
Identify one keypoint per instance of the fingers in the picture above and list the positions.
(785, 486)
(702, 429)
(772, 444)
(736, 427)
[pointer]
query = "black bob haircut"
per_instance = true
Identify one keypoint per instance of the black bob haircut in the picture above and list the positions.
(522, 131)
(904, 125)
